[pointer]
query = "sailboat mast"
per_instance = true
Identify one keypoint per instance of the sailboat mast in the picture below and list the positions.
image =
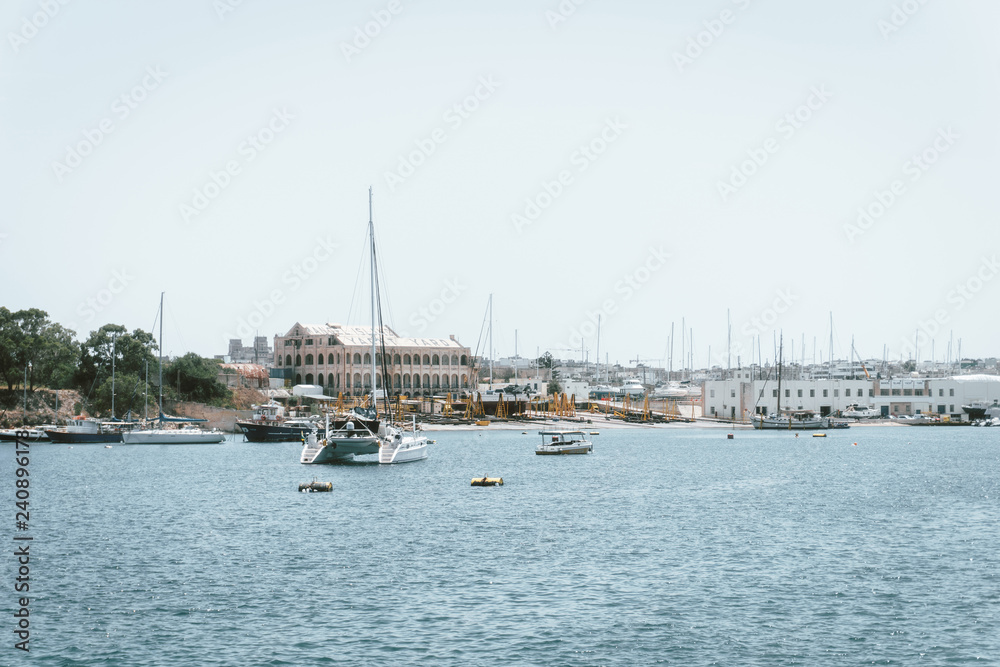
(161, 354)
(597, 355)
(492, 350)
(113, 337)
(371, 234)
(780, 345)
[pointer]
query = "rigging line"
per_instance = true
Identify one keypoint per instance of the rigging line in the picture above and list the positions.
(355, 293)
(480, 340)
(177, 328)
(381, 272)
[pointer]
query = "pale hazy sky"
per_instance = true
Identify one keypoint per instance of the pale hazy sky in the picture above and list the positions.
(684, 158)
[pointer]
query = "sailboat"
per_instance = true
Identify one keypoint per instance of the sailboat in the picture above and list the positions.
(361, 432)
(186, 435)
(794, 419)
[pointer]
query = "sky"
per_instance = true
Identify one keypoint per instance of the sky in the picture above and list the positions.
(752, 168)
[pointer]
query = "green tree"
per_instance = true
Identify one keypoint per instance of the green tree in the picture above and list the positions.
(554, 387)
(129, 394)
(545, 361)
(30, 342)
(194, 378)
(58, 357)
(131, 352)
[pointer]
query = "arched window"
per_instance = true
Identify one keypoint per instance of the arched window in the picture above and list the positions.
(444, 382)
(368, 380)
(454, 381)
(395, 360)
(288, 360)
(368, 359)
(357, 380)
(298, 378)
(454, 360)
(437, 381)
(309, 378)
(427, 360)
(378, 358)
(298, 359)
(406, 380)
(465, 380)
(406, 360)
(320, 359)
(319, 380)
(435, 360)
(309, 360)
(329, 358)
(279, 360)
(378, 380)
(357, 358)
(427, 381)
(335, 381)
(348, 381)
(396, 381)
(416, 382)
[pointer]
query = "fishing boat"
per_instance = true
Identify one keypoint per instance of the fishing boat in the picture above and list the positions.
(791, 420)
(564, 442)
(186, 435)
(269, 424)
(84, 430)
(361, 431)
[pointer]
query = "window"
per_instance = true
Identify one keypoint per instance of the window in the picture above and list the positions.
(871, 393)
(309, 362)
(395, 362)
(309, 341)
(836, 393)
(800, 393)
(788, 393)
(940, 392)
(812, 393)
(288, 360)
(465, 362)
(309, 378)
(825, 392)
(357, 358)
(732, 393)
(454, 360)
(951, 392)
(435, 360)
(368, 360)
(406, 360)
(331, 341)
(711, 393)
(319, 380)
(895, 392)
(907, 392)
(287, 343)
(329, 358)
(279, 360)
(918, 392)
(847, 392)
(951, 408)
(298, 359)
(427, 362)
(774, 393)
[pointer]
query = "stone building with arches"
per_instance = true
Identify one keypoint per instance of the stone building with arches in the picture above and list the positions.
(338, 358)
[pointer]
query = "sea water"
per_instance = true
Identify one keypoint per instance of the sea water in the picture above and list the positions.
(666, 546)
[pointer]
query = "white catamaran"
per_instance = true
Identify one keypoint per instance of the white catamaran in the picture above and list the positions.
(361, 432)
(186, 435)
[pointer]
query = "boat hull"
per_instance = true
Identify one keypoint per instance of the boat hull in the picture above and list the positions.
(271, 432)
(164, 437)
(789, 424)
(556, 451)
(63, 438)
(339, 450)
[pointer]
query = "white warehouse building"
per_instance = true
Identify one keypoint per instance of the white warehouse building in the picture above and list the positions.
(742, 396)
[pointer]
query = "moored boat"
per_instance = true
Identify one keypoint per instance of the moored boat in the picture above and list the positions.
(791, 420)
(269, 424)
(564, 442)
(84, 430)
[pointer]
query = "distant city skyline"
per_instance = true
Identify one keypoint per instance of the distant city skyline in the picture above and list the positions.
(743, 164)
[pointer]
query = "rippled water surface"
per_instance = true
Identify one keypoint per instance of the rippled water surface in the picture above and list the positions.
(664, 546)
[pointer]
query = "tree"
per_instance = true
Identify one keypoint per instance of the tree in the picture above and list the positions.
(30, 343)
(132, 351)
(545, 361)
(58, 357)
(194, 378)
(554, 387)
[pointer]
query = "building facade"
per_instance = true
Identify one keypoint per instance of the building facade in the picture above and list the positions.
(742, 395)
(339, 358)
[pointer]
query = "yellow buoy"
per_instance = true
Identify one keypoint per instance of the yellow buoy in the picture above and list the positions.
(819, 435)
(487, 481)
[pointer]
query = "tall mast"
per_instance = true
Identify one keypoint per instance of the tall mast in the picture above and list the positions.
(161, 354)
(113, 336)
(371, 234)
(597, 355)
(780, 344)
(492, 350)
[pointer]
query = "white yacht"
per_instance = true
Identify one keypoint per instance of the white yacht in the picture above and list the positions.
(361, 432)
(855, 411)
(564, 442)
(186, 435)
